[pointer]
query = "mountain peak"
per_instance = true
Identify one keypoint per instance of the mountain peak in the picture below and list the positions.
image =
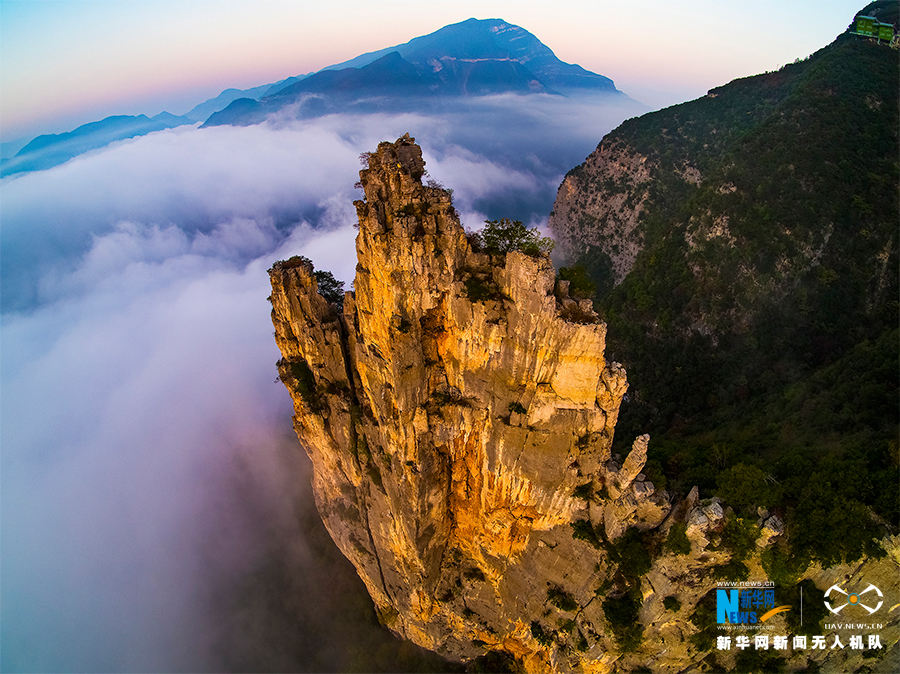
(476, 57)
(485, 40)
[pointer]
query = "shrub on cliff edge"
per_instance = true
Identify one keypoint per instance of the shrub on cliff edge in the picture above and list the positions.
(505, 235)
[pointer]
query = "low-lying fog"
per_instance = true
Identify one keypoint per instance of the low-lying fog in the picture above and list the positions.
(156, 509)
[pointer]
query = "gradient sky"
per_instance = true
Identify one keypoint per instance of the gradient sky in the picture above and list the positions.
(68, 62)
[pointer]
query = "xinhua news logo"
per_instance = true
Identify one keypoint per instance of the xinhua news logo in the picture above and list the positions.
(745, 607)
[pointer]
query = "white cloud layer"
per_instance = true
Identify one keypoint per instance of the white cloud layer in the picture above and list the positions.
(125, 410)
(146, 450)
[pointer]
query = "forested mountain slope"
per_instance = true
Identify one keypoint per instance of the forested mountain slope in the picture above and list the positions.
(744, 248)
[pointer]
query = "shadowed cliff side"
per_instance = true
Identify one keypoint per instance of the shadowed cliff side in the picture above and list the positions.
(745, 248)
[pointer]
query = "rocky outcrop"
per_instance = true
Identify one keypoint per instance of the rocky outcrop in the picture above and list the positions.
(633, 500)
(599, 205)
(457, 425)
(459, 414)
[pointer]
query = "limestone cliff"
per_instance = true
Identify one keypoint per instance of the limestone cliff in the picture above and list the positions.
(459, 414)
(599, 205)
(449, 436)
(727, 194)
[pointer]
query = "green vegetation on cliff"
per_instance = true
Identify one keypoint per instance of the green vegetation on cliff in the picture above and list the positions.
(505, 235)
(759, 322)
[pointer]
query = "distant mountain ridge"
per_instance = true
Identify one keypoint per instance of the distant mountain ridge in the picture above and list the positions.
(49, 150)
(476, 57)
(201, 112)
(489, 40)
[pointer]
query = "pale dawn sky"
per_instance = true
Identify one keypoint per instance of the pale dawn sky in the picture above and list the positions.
(68, 62)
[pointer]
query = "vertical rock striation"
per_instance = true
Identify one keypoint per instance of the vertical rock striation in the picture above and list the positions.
(459, 414)
(448, 434)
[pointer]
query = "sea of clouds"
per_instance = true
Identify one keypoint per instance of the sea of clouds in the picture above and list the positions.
(155, 507)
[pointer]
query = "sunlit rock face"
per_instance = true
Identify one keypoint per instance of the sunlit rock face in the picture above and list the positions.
(448, 434)
(459, 413)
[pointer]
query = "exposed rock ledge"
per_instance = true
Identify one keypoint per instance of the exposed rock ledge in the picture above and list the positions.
(455, 443)
(600, 203)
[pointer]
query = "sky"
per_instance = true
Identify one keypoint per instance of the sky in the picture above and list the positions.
(68, 62)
